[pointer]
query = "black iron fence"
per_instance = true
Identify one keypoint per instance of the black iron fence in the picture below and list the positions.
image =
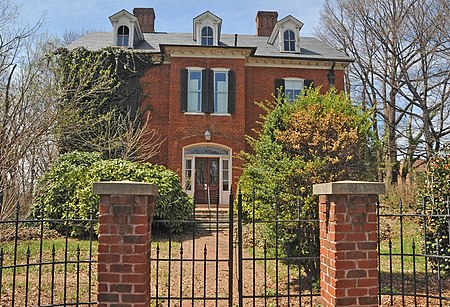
(40, 266)
(414, 255)
(225, 257)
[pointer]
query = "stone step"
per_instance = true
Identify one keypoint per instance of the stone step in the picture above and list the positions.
(206, 218)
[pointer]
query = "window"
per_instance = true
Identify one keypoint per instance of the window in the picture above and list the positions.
(290, 88)
(194, 100)
(188, 175)
(221, 92)
(207, 90)
(289, 40)
(123, 35)
(207, 36)
(293, 88)
(225, 175)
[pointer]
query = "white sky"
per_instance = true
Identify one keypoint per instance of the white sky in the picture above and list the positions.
(238, 16)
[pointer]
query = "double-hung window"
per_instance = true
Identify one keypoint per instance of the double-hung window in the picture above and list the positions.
(220, 92)
(207, 36)
(289, 40)
(123, 36)
(194, 98)
(290, 88)
(207, 90)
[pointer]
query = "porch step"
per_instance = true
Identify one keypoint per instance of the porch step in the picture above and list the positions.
(206, 218)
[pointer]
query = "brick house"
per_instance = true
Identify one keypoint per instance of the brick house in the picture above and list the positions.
(203, 90)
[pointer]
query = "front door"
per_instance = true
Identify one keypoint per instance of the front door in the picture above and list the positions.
(206, 180)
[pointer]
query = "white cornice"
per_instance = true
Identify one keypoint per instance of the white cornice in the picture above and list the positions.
(225, 53)
(288, 63)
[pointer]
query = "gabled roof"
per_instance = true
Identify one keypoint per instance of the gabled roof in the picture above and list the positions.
(121, 13)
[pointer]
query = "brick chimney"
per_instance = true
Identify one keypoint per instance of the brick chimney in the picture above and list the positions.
(146, 17)
(265, 22)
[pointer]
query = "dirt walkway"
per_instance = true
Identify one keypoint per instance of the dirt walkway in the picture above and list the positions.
(209, 278)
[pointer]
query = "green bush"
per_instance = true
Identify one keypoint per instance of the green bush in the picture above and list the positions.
(435, 193)
(318, 138)
(67, 189)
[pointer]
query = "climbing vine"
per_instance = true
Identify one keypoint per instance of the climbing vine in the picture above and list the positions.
(99, 93)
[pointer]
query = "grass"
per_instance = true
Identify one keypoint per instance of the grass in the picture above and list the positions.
(59, 280)
(410, 274)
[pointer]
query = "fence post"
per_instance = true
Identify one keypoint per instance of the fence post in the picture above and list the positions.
(348, 242)
(124, 235)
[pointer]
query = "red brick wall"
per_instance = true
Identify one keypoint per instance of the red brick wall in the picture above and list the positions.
(161, 96)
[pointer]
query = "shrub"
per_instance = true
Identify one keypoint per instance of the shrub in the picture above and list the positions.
(435, 193)
(318, 138)
(67, 189)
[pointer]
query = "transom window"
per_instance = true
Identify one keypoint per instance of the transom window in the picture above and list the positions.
(289, 40)
(221, 92)
(293, 88)
(194, 102)
(123, 36)
(207, 36)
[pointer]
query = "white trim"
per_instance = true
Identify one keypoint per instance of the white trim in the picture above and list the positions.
(219, 69)
(195, 68)
(194, 113)
(220, 114)
(293, 79)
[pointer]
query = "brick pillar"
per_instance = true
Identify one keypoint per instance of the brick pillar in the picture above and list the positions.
(348, 242)
(124, 234)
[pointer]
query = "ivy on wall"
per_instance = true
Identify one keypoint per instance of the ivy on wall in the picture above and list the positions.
(99, 93)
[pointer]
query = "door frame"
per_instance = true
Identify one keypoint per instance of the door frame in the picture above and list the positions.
(223, 195)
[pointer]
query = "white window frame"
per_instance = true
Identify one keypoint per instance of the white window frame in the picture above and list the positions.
(300, 81)
(216, 91)
(196, 91)
(207, 37)
(289, 41)
(121, 37)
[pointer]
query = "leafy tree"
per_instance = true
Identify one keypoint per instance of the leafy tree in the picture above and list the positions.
(66, 189)
(436, 193)
(318, 138)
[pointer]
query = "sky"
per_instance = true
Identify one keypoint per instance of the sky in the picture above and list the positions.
(238, 16)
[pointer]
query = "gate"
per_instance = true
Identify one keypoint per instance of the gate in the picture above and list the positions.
(227, 256)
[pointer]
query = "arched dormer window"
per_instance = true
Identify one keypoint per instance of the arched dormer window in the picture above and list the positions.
(123, 36)
(207, 36)
(289, 40)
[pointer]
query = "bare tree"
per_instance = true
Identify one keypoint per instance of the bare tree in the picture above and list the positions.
(401, 70)
(37, 97)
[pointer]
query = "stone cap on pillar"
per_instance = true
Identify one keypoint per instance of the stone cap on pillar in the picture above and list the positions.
(349, 188)
(124, 188)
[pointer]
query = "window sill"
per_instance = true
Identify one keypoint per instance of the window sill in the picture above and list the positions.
(194, 113)
(220, 114)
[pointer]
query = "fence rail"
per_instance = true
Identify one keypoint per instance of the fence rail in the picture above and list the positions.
(413, 266)
(221, 259)
(41, 267)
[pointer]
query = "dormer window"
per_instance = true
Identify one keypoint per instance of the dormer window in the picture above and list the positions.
(126, 29)
(286, 34)
(289, 40)
(207, 27)
(123, 36)
(207, 36)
